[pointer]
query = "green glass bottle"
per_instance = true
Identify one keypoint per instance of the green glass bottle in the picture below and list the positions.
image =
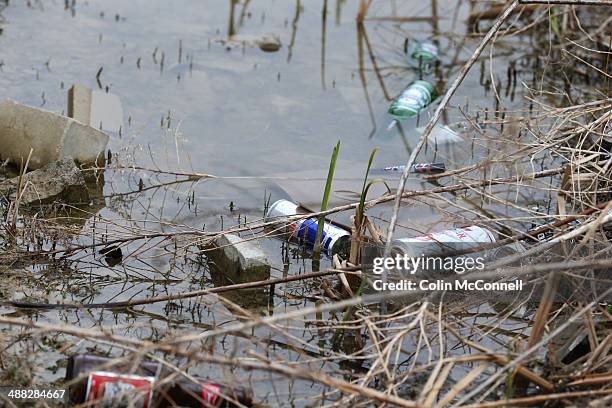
(425, 52)
(413, 100)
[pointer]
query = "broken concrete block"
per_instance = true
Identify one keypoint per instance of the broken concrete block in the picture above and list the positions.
(232, 260)
(58, 180)
(79, 103)
(233, 252)
(49, 135)
(100, 110)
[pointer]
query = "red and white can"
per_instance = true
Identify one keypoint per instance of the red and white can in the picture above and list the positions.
(210, 393)
(119, 390)
(443, 242)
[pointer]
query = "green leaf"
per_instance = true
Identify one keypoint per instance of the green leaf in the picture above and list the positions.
(364, 189)
(554, 23)
(326, 193)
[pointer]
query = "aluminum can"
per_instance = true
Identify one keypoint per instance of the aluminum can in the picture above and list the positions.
(109, 389)
(443, 242)
(333, 239)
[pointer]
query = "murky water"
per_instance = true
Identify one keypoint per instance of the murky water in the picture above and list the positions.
(220, 105)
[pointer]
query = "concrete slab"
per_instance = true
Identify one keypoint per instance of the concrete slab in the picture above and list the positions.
(49, 135)
(247, 256)
(79, 103)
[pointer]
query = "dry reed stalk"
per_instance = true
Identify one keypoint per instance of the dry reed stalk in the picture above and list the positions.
(539, 399)
(364, 5)
(430, 125)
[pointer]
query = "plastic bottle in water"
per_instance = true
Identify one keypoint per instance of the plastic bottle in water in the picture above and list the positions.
(425, 52)
(412, 101)
(334, 240)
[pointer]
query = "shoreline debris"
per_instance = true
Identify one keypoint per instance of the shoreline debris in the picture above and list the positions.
(427, 168)
(246, 256)
(425, 52)
(334, 240)
(58, 180)
(416, 97)
(443, 241)
(319, 332)
(50, 137)
(99, 380)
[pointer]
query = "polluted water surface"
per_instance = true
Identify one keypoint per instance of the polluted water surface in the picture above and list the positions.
(215, 111)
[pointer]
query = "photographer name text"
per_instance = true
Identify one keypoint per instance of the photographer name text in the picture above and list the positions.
(440, 284)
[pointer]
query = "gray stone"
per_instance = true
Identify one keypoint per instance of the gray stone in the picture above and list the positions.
(49, 135)
(61, 180)
(269, 43)
(246, 256)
